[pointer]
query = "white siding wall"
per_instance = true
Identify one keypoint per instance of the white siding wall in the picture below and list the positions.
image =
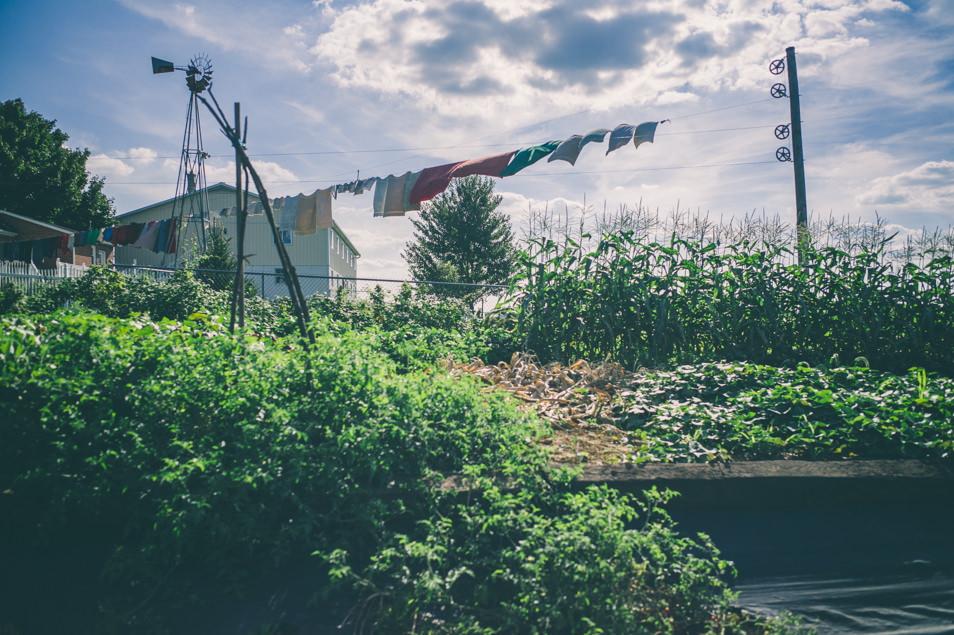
(304, 251)
(310, 254)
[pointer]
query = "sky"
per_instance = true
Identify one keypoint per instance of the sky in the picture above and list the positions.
(335, 89)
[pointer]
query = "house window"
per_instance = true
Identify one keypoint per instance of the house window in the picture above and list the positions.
(286, 236)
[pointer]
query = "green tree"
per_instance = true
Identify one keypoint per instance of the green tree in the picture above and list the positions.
(461, 237)
(215, 259)
(43, 179)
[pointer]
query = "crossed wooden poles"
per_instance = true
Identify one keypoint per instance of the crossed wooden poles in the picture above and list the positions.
(291, 276)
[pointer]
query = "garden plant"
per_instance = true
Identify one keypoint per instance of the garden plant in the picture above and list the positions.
(186, 462)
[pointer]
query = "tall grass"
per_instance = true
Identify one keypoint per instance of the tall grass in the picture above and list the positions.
(647, 291)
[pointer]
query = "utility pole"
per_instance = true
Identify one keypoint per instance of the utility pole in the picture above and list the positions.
(796, 155)
(801, 207)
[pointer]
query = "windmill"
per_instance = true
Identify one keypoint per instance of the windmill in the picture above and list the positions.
(199, 80)
(191, 203)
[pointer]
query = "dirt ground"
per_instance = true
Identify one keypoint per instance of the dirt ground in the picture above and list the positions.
(576, 400)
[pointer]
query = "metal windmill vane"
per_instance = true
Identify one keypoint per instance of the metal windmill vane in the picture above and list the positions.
(198, 72)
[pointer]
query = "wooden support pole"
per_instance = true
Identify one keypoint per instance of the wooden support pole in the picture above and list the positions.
(238, 286)
(801, 207)
(291, 276)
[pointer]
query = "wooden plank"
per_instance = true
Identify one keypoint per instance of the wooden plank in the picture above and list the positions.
(854, 469)
(757, 473)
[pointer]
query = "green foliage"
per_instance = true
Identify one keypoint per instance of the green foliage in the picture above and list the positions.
(42, 178)
(114, 294)
(460, 237)
(195, 458)
(654, 304)
(414, 326)
(749, 411)
(562, 562)
(10, 297)
(180, 444)
(215, 267)
(412, 307)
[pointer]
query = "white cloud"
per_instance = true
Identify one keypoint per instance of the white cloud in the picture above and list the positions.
(508, 9)
(497, 60)
(273, 175)
(312, 114)
(129, 162)
(105, 166)
(144, 155)
(939, 12)
(928, 188)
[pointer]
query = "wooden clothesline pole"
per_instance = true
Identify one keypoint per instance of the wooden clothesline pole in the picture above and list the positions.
(291, 276)
(238, 285)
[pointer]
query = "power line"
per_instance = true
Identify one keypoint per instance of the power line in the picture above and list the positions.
(661, 133)
(652, 169)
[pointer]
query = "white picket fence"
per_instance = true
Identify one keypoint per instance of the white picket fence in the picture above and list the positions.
(30, 279)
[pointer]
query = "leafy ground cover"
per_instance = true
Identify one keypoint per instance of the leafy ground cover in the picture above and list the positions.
(729, 411)
(194, 460)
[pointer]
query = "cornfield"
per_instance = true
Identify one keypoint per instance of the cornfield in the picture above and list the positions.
(645, 293)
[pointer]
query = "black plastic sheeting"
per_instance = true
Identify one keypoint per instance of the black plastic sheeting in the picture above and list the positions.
(858, 569)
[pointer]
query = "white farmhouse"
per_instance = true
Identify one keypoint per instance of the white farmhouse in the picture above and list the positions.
(324, 260)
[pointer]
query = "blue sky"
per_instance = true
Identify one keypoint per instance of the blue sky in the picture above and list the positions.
(385, 86)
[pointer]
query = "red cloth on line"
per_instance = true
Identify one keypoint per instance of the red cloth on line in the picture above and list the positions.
(435, 180)
(432, 182)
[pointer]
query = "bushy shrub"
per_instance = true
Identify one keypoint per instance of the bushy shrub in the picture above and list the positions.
(414, 308)
(228, 448)
(197, 458)
(10, 297)
(115, 294)
(414, 327)
(568, 562)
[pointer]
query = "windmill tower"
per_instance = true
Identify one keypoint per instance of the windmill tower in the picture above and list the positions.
(191, 203)
(199, 80)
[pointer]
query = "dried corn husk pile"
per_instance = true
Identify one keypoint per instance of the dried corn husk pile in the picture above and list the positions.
(574, 399)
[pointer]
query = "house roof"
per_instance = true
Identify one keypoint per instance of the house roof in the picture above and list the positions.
(6, 230)
(212, 188)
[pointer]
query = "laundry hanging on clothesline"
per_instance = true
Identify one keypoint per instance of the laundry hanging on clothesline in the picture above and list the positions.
(395, 195)
(35, 251)
(302, 214)
(159, 236)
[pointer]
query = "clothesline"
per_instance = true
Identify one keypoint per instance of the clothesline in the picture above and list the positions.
(396, 195)
(159, 236)
(305, 214)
